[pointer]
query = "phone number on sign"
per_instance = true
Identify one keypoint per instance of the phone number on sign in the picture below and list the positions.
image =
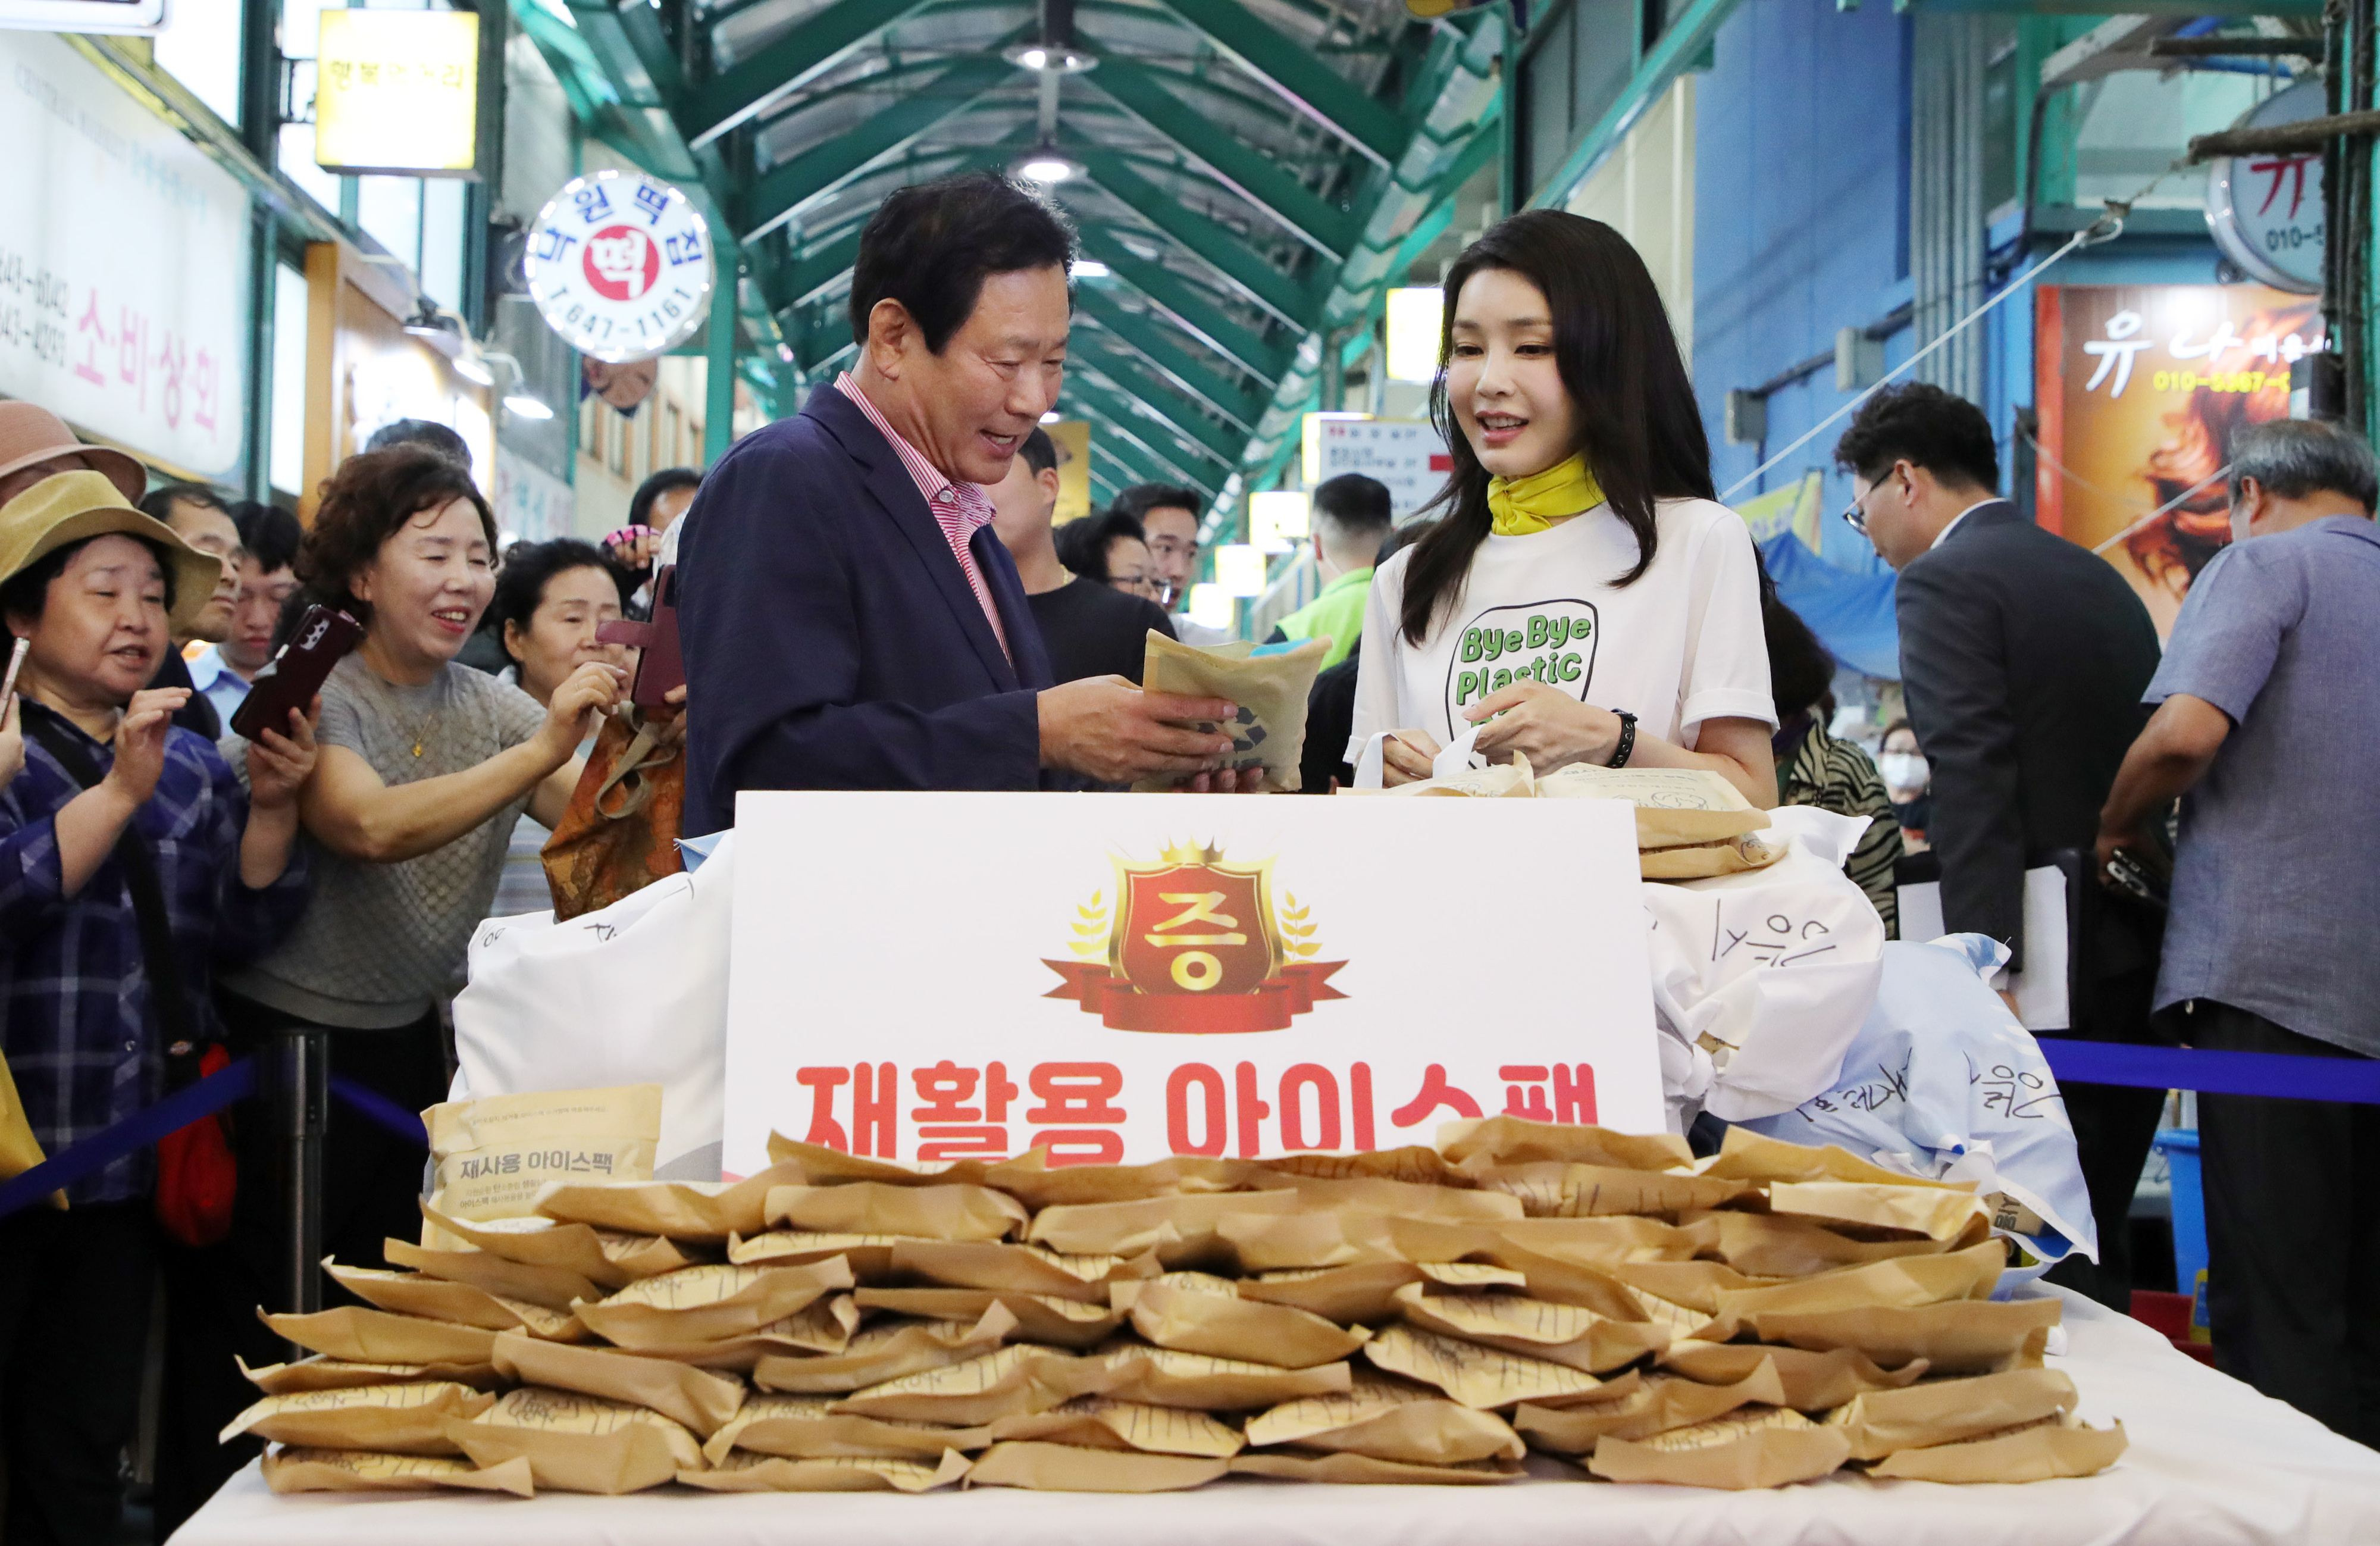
(2220, 380)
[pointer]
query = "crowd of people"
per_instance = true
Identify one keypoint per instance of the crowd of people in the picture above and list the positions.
(875, 593)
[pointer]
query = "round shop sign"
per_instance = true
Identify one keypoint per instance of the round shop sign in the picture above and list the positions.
(619, 264)
(2266, 211)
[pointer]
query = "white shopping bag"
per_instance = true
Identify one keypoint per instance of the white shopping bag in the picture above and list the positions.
(1761, 979)
(636, 993)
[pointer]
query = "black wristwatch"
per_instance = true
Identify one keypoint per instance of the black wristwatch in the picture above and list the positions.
(1627, 740)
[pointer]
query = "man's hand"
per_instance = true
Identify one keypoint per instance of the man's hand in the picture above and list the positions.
(12, 741)
(1406, 756)
(1107, 729)
(1544, 725)
(279, 765)
(140, 743)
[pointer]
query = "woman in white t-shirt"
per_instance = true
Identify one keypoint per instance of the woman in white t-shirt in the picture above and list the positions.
(1584, 596)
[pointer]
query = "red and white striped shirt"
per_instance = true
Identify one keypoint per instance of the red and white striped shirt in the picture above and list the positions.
(961, 509)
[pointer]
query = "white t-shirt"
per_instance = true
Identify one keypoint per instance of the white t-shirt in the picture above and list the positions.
(1681, 645)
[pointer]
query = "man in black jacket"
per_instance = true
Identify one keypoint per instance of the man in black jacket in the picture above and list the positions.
(2023, 657)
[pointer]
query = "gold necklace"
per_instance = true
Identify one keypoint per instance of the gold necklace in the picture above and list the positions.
(421, 736)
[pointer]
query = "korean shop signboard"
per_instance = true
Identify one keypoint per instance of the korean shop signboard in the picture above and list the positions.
(1118, 979)
(2141, 388)
(123, 265)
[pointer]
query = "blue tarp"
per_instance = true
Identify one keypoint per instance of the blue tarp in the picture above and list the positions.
(1851, 613)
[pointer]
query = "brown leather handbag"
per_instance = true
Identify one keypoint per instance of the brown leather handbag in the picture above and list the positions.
(620, 833)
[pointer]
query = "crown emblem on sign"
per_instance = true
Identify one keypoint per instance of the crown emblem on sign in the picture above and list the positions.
(1196, 946)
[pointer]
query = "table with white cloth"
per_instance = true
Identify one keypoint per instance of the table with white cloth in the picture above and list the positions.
(2211, 1463)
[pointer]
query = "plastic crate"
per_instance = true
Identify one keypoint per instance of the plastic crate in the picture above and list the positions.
(2180, 1147)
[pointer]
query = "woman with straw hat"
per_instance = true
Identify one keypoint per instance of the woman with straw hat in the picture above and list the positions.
(115, 816)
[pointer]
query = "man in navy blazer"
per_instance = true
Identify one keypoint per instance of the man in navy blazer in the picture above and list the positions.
(848, 616)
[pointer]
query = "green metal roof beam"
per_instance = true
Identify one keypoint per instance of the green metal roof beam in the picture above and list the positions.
(808, 276)
(1662, 63)
(1103, 443)
(780, 193)
(1119, 420)
(1246, 171)
(1158, 397)
(1181, 300)
(1267, 286)
(1305, 81)
(1161, 353)
(805, 51)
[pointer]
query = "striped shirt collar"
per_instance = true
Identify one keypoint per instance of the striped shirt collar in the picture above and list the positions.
(960, 509)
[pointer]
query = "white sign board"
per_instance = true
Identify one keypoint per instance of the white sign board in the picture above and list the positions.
(1405, 454)
(619, 264)
(2266, 211)
(123, 265)
(83, 16)
(1123, 977)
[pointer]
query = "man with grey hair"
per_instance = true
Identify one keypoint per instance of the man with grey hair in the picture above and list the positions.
(2269, 724)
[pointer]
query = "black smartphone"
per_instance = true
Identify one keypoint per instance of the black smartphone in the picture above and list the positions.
(2136, 881)
(291, 678)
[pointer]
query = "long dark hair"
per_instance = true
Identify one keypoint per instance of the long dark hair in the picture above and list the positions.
(1638, 424)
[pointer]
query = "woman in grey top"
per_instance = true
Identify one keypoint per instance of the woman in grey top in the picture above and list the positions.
(425, 766)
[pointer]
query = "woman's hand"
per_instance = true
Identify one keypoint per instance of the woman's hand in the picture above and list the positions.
(279, 765)
(570, 717)
(1406, 756)
(140, 743)
(1544, 725)
(12, 741)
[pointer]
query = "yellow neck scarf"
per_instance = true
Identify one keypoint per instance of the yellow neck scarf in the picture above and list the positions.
(1521, 506)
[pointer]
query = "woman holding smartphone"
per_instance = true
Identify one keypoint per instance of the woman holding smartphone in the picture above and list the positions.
(1584, 598)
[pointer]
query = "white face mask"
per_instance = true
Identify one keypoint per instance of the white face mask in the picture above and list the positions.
(1902, 770)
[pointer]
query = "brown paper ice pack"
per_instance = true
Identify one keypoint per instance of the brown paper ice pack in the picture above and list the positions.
(1180, 1228)
(1412, 1162)
(1556, 1190)
(1951, 1411)
(1482, 1378)
(1269, 691)
(375, 1336)
(945, 1212)
(812, 1164)
(399, 1419)
(1360, 1471)
(1035, 1182)
(1675, 807)
(870, 1257)
(437, 1300)
(488, 1158)
(1200, 1382)
(1695, 1284)
(1366, 1294)
(745, 1472)
(692, 1398)
(552, 1287)
(296, 1469)
(1388, 1419)
(823, 1327)
(805, 1428)
(2058, 1446)
(319, 1373)
(1928, 1211)
(1039, 1317)
(1902, 1283)
(1003, 1265)
(1811, 1381)
(1562, 1333)
(710, 1303)
(1745, 1155)
(606, 1257)
(704, 1213)
(1195, 1313)
(1958, 1337)
(1070, 1468)
(1778, 1246)
(1762, 1448)
(887, 1351)
(1000, 1383)
(578, 1443)
(1507, 1140)
(1100, 1422)
(1655, 1405)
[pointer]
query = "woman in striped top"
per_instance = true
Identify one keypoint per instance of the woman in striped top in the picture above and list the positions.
(1814, 767)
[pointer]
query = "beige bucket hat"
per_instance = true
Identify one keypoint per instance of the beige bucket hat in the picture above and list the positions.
(30, 434)
(73, 506)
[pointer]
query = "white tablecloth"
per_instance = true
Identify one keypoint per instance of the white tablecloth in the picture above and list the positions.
(2211, 1462)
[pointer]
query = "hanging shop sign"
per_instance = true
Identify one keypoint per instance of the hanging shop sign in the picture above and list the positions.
(1071, 438)
(397, 92)
(142, 342)
(1102, 984)
(2267, 209)
(619, 264)
(1405, 454)
(83, 16)
(2141, 388)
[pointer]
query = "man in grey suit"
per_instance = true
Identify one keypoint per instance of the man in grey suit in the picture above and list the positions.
(2023, 658)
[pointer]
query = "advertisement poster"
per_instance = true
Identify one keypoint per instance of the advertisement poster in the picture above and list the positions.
(1405, 454)
(1122, 978)
(123, 265)
(2141, 388)
(1073, 439)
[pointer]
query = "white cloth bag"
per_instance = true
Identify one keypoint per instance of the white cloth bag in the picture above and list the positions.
(636, 993)
(1761, 979)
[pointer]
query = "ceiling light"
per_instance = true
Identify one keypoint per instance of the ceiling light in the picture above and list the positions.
(1091, 268)
(1063, 58)
(441, 330)
(522, 405)
(473, 368)
(1033, 58)
(1043, 168)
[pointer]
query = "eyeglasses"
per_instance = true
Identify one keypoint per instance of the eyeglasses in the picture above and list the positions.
(1855, 513)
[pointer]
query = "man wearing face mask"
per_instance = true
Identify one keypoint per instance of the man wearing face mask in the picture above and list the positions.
(848, 616)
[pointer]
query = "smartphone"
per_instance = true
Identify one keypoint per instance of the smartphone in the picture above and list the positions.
(291, 678)
(16, 663)
(661, 669)
(2136, 881)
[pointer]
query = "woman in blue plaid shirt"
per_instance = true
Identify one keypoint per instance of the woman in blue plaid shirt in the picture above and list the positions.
(92, 584)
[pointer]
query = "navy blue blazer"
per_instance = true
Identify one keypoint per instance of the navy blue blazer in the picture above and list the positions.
(831, 639)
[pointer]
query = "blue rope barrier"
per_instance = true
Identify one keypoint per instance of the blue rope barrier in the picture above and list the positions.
(135, 1132)
(381, 1111)
(2281, 1075)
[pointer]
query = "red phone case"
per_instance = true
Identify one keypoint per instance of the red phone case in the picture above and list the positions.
(291, 678)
